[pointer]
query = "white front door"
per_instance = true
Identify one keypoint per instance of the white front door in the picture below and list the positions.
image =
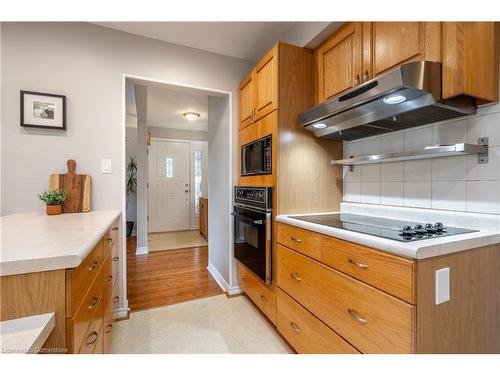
(168, 186)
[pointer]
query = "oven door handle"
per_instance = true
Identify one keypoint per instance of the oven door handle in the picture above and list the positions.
(269, 248)
(256, 222)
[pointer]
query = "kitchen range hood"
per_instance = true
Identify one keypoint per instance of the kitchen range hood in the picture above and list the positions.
(404, 97)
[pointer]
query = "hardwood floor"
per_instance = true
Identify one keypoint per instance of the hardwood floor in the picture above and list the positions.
(167, 277)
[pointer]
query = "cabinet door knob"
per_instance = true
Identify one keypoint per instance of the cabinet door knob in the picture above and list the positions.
(93, 265)
(115, 259)
(295, 239)
(110, 277)
(109, 240)
(357, 264)
(92, 338)
(356, 80)
(108, 328)
(295, 276)
(356, 316)
(116, 299)
(263, 298)
(115, 228)
(295, 327)
(94, 303)
(366, 76)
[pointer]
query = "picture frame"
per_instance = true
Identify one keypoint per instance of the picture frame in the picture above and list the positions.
(43, 110)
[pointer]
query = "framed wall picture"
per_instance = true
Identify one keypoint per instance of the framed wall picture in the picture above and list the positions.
(42, 110)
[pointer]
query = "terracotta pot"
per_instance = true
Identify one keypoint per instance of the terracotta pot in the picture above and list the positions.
(54, 210)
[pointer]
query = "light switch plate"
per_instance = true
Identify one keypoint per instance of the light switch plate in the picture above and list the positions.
(106, 166)
(442, 285)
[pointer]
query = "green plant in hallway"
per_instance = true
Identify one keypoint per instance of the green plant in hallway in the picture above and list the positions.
(54, 200)
(131, 187)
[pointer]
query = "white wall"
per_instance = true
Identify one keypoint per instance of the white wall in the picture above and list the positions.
(452, 183)
(87, 63)
(219, 207)
(191, 135)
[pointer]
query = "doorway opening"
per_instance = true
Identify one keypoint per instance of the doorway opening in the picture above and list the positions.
(168, 243)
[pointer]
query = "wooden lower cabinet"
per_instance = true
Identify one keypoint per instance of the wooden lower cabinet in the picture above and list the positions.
(204, 217)
(263, 296)
(371, 320)
(82, 299)
(306, 333)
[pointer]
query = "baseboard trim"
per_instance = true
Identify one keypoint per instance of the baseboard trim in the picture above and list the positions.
(121, 313)
(141, 250)
(234, 291)
(218, 277)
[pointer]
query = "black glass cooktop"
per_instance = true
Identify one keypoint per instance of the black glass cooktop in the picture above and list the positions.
(399, 230)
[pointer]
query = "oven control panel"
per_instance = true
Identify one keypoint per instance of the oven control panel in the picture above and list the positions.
(260, 196)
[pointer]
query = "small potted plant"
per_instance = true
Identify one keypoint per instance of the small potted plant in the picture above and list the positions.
(54, 200)
(131, 188)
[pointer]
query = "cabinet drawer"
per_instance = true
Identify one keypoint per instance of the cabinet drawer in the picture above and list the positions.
(392, 274)
(93, 338)
(110, 239)
(89, 311)
(303, 241)
(306, 333)
(371, 320)
(79, 279)
(260, 294)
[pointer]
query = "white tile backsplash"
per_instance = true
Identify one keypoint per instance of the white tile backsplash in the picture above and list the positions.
(391, 193)
(370, 192)
(483, 196)
(451, 183)
(417, 194)
(449, 195)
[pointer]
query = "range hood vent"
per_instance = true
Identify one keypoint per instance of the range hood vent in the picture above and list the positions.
(407, 96)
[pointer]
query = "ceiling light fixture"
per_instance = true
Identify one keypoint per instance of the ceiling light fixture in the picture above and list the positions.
(394, 99)
(191, 116)
(319, 126)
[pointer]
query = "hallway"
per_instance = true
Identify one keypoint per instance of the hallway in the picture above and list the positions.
(166, 277)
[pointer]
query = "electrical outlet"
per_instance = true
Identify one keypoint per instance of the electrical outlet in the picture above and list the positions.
(442, 285)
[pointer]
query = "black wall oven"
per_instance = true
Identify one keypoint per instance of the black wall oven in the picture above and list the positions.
(256, 157)
(252, 230)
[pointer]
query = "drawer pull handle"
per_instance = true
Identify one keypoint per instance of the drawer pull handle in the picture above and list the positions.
(115, 259)
(263, 298)
(244, 279)
(92, 338)
(93, 265)
(359, 265)
(295, 276)
(115, 228)
(295, 327)
(356, 316)
(298, 240)
(94, 303)
(116, 299)
(110, 277)
(108, 328)
(109, 240)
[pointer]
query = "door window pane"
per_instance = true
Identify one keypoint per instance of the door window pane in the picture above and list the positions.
(197, 181)
(169, 167)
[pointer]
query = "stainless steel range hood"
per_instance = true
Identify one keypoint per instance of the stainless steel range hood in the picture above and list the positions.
(407, 96)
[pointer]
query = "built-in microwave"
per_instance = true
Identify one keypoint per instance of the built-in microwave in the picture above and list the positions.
(256, 157)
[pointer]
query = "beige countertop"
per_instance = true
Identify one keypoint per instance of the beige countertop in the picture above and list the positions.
(25, 335)
(35, 242)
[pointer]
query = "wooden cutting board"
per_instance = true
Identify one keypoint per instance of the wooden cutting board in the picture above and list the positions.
(78, 187)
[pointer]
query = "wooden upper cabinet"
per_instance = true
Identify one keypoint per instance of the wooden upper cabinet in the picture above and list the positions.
(470, 60)
(266, 84)
(258, 91)
(338, 62)
(396, 43)
(246, 98)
